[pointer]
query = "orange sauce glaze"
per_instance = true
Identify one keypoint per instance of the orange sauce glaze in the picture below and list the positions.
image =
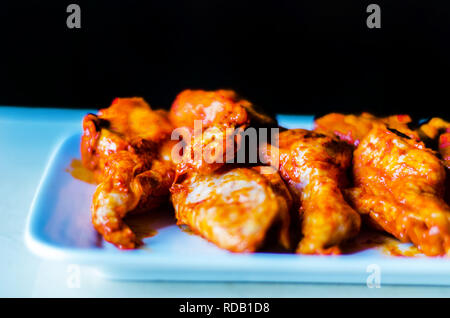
(393, 249)
(388, 245)
(186, 229)
(79, 172)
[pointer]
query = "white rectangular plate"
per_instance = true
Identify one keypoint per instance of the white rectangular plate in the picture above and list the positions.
(59, 227)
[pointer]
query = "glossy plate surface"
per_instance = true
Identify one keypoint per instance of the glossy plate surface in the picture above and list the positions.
(59, 227)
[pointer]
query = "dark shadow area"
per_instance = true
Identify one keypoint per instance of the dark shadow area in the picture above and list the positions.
(287, 56)
(148, 223)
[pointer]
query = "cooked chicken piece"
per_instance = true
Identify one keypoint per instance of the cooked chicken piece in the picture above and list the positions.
(400, 184)
(314, 167)
(218, 114)
(133, 181)
(128, 148)
(115, 127)
(437, 131)
(234, 208)
(353, 128)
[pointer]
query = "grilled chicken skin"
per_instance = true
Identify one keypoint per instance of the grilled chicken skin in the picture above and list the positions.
(127, 147)
(233, 208)
(133, 182)
(400, 185)
(113, 128)
(314, 167)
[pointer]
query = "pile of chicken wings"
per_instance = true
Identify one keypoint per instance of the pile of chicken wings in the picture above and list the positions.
(310, 192)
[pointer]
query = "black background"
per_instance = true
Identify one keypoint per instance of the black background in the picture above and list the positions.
(288, 56)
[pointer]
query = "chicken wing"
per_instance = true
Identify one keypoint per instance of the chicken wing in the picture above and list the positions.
(234, 208)
(114, 127)
(314, 166)
(127, 146)
(400, 185)
(132, 182)
(221, 117)
(353, 128)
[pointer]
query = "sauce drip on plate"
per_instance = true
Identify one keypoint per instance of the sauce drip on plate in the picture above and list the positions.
(79, 172)
(388, 245)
